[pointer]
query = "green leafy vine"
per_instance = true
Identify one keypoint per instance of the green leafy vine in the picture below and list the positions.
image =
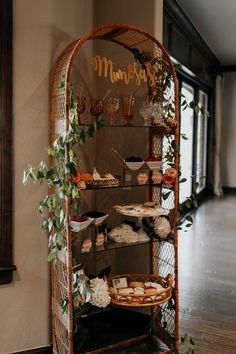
(58, 177)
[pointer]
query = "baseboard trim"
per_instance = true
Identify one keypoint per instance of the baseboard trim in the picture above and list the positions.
(229, 190)
(41, 350)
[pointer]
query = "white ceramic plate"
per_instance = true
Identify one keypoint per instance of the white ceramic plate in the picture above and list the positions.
(134, 165)
(154, 165)
(97, 221)
(138, 210)
(78, 226)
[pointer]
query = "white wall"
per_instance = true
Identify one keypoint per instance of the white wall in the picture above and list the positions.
(41, 31)
(228, 142)
(144, 14)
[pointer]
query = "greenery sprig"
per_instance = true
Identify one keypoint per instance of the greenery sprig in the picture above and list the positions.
(58, 177)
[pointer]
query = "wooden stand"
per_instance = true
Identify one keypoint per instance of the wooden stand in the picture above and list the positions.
(129, 327)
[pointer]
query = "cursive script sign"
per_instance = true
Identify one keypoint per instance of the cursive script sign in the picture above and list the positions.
(105, 68)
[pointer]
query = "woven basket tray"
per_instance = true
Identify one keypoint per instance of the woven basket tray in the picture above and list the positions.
(139, 300)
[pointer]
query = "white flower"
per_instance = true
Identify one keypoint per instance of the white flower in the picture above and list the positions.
(162, 226)
(99, 293)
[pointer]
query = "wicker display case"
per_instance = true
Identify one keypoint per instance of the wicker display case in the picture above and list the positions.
(159, 255)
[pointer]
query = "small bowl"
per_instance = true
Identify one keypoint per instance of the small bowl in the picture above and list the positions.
(154, 165)
(78, 226)
(98, 221)
(134, 165)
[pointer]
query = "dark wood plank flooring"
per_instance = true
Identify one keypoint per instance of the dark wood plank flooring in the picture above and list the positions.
(207, 277)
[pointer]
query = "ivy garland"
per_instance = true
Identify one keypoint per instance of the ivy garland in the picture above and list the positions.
(59, 179)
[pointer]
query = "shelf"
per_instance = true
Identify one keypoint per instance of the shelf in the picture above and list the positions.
(126, 328)
(110, 245)
(131, 186)
(106, 125)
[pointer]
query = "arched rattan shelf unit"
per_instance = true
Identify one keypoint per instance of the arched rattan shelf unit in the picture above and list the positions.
(145, 48)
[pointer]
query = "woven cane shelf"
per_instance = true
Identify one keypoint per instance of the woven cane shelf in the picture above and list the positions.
(145, 282)
(149, 140)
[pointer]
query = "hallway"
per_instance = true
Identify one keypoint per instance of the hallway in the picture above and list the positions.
(207, 278)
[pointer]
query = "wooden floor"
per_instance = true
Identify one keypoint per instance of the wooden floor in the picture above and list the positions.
(207, 268)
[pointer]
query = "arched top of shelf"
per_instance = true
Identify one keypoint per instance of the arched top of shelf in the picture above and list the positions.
(144, 47)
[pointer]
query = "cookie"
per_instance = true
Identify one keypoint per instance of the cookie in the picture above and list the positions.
(150, 291)
(152, 285)
(126, 291)
(136, 284)
(139, 290)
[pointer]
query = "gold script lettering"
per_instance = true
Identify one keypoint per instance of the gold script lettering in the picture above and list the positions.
(105, 68)
(151, 80)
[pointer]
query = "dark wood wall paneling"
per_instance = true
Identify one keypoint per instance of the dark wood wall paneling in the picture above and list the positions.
(6, 266)
(186, 45)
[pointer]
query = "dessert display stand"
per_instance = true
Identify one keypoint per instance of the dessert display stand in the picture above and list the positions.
(121, 329)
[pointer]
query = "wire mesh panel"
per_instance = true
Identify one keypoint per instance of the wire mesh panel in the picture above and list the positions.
(159, 75)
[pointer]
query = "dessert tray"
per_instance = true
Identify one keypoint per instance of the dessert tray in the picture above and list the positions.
(139, 290)
(103, 182)
(141, 210)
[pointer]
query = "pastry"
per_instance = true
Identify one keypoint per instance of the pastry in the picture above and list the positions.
(96, 175)
(159, 287)
(100, 239)
(86, 245)
(142, 178)
(150, 284)
(136, 284)
(139, 290)
(156, 177)
(82, 185)
(151, 291)
(149, 204)
(109, 176)
(126, 291)
(103, 182)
